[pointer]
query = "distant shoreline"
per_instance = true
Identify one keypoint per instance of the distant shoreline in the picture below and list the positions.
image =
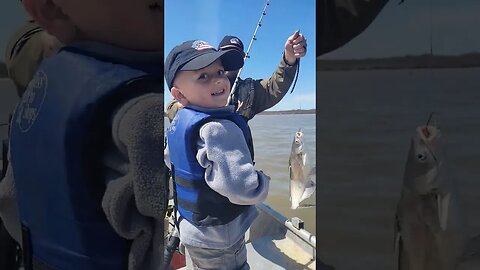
(425, 61)
(310, 111)
(468, 60)
(298, 111)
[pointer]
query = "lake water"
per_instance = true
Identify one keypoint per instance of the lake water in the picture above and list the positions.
(273, 137)
(365, 122)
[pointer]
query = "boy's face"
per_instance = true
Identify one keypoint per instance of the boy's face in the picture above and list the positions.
(132, 24)
(208, 87)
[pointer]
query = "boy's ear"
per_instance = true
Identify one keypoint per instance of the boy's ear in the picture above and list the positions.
(177, 95)
(50, 16)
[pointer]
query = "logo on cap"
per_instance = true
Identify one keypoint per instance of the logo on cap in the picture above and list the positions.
(235, 41)
(201, 45)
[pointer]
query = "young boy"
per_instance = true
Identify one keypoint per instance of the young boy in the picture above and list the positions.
(86, 139)
(253, 96)
(211, 158)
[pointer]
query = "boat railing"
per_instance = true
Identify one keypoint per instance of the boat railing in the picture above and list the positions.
(265, 225)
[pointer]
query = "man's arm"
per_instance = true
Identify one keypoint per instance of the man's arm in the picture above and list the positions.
(172, 109)
(268, 92)
(27, 47)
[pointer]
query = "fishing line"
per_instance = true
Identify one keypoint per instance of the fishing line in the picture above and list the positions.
(298, 66)
(427, 133)
(296, 74)
(430, 67)
(432, 70)
(429, 118)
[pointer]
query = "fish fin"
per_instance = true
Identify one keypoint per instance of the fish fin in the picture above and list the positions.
(304, 159)
(443, 203)
(309, 189)
(310, 183)
(290, 171)
(307, 205)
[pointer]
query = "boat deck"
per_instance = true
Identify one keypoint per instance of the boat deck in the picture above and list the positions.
(274, 243)
(271, 253)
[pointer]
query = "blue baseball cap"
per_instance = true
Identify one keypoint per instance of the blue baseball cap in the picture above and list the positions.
(197, 54)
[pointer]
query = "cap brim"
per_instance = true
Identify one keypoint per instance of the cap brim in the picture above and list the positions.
(230, 46)
(231, 60)
(233, 47)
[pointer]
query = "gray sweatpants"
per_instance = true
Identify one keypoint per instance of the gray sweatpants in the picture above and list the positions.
(232, 258)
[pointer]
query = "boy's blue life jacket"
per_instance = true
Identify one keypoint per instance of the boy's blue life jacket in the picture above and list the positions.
(59, 131)
(196, 201)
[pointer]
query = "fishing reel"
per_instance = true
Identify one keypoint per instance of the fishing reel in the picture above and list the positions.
(171, 248)
(174, 252)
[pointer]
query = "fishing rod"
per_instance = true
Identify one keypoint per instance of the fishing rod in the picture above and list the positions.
(426, 132)
(254, 37)
(429, 118)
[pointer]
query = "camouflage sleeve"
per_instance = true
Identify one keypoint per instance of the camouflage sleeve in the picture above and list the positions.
(268, 92)
(172, 109)
(26, 48)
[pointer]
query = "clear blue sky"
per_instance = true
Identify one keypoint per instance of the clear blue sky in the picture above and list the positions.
(213, 19)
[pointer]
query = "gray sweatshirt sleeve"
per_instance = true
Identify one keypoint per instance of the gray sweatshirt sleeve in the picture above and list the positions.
(224, 153)
(135, 199)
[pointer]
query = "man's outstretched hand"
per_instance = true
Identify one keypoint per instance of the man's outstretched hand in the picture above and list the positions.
(295, 47)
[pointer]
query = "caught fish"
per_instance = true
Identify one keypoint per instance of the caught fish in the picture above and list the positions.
(301, 184)
(429, 227)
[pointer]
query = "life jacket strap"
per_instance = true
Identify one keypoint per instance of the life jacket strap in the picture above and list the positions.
(26, 248)
(175, 201)
(189, 183)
